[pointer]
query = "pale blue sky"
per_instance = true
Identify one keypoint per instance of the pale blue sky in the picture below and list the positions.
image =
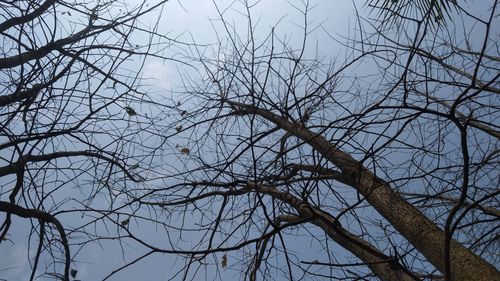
(193, 20)
(196, 20)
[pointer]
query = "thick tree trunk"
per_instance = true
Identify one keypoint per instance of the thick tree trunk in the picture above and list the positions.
(422, 233)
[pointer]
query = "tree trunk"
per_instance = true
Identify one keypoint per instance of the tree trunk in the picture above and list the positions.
(422, 233)
(385, 267)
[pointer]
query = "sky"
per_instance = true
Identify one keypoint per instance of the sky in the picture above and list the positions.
(197, 21)
(189, 21)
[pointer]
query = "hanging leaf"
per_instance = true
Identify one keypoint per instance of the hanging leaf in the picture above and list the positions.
(178, 129)
(125, 222)
(178, 103)
(73, 272)
(183, 113)
(135, 166)
(130, 111)
(185, 150)
(224, 261)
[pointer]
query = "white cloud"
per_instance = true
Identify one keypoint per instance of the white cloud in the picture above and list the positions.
(157, 74)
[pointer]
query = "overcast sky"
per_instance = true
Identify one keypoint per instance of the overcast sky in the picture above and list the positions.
(195, 20)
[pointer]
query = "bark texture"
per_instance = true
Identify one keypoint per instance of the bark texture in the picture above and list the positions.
(385, 267)
(421, 232)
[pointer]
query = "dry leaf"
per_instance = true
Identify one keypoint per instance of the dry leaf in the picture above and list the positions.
(185, 150)
(73, 272)
(130, 111)
(224, 261)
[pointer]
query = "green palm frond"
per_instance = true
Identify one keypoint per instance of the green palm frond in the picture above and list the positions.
(393, 11)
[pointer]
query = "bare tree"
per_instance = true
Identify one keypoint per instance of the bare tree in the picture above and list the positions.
(383, 164)
(74, 123)
(392, 152)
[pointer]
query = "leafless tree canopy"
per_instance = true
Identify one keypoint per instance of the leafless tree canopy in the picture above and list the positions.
(74, 121)
(273, 161)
